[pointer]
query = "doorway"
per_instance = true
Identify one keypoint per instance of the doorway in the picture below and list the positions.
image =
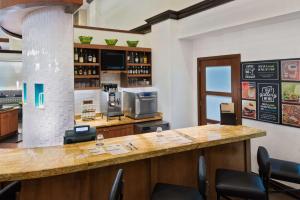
(218, 82)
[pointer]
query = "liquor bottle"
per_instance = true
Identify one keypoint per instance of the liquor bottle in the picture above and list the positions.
(86, 59)
(132, 58)
(128, 57)
(80, 71)
(145, 59)
(142, 70)
(90, 57)
(85, 71)
(141, 58)
(94, 71)
(94, 58)
(81, 56)
(136, 58)
(76, 57)
(89, 71)
(76, 71)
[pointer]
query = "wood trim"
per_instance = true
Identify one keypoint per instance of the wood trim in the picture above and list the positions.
(218, 93)
(107, 29)
(6, 40)
(10, 51)
(177, 15)
(107, 47)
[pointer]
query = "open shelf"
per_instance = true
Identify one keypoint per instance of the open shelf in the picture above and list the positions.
(113, 71)
(138, 64)
(86, 76)
(107, 47)
(86, 64)
(138, 75)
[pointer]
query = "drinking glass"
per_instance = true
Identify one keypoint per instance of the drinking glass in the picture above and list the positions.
(99, 139)
(159, 131)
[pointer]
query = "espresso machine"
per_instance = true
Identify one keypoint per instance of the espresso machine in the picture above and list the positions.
(111, 101)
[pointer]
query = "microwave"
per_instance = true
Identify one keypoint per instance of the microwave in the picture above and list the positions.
(113, 60)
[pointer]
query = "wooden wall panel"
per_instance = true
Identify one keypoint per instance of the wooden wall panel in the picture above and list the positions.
(228, 156)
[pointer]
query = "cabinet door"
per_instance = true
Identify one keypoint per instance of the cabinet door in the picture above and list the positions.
(116, 131)
(5, 124)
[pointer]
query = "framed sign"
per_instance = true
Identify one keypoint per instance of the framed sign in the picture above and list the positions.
(260, 71)
(268, 102)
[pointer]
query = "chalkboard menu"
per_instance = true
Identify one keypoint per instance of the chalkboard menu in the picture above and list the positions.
(268, 102)
(271, 91)
(266, 70)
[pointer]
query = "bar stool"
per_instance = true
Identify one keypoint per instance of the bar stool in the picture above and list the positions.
(163, 191)
(231, 183)
(117, 188)
(285, 171)
(10, 191)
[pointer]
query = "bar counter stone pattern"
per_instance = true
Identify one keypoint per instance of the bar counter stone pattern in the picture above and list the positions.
(23, 164)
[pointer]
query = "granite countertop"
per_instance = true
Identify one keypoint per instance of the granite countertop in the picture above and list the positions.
(102, 122)
(22, 164)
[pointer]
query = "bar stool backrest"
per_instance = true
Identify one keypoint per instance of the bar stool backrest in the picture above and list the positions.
(117, 188)
(264, 164)
(202, 176)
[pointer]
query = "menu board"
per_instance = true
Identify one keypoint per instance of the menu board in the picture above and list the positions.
(268, 102)
(271, 91)
(265, 70)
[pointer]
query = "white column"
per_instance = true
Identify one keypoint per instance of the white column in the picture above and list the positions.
(48, 60)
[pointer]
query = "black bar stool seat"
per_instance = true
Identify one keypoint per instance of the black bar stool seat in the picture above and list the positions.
(285, 170)
(164, 191)
(239, 184)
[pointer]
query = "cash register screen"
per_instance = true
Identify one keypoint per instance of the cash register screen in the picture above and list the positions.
(81, 129)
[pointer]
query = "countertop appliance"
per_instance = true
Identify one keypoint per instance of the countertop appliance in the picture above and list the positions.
(139, 105)
(148, 127)
(80, 134)
(111, 102)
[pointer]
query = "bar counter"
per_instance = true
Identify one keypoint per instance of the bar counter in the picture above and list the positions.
(73, 172)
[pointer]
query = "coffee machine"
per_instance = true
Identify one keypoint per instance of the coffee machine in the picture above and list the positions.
(111, 101)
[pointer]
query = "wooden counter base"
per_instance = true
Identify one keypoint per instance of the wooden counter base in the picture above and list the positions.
(140, 176)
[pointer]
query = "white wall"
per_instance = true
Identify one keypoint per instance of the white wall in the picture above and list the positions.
(10, 75)
(265, 29)
(130, 13)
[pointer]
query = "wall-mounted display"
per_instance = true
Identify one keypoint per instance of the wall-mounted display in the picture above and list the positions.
(249, 109)
(264, 70)
(276, 85)
(268, 102)
(290, 70)
(248, 90)
(290, 92)
(291, 115)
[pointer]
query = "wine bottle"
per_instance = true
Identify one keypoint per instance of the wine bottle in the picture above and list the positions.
(90, 57)
(76, 57)
(141, 58)
(94, 58)
(94, 71)
(81, 56)
(89, 71)
(86, 59)
(128, 57)
(136, 58)
(145, 59)
(80, 71)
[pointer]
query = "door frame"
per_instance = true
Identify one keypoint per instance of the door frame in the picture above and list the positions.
(236, 86)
